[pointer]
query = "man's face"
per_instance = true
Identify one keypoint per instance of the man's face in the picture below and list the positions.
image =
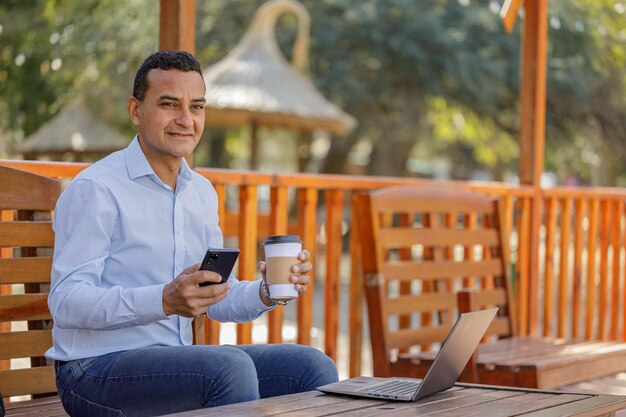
(170, 118)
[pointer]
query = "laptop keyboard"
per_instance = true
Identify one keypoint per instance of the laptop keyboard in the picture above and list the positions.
(392, 387)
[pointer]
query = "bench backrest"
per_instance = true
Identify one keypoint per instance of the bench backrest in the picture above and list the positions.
(420, 246)
(26, 241)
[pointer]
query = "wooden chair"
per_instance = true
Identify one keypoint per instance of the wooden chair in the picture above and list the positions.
(26, 241)
(430, 253)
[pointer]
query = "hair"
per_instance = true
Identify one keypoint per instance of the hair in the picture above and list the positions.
(165, 60)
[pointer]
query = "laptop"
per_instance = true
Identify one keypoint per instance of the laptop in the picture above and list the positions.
(454, 354)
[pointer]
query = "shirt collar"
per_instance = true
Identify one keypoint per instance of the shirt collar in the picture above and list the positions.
(138, 166)
(136, 162)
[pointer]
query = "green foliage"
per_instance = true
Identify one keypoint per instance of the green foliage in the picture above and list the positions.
(424, 78)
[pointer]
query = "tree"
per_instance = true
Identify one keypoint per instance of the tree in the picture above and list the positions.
(426, 78)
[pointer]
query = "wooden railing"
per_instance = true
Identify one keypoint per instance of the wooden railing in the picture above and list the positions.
(559, 301)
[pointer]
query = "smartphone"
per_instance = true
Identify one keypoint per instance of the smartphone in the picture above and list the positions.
(221, 261)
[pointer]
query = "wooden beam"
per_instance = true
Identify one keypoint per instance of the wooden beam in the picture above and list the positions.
(508, 13)
(532, 130)
(178, 25)
(533, 91)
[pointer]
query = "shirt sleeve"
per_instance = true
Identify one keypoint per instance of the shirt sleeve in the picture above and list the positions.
(84, 224)
(242, 304)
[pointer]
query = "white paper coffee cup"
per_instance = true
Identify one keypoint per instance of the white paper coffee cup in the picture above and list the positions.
(281, 253)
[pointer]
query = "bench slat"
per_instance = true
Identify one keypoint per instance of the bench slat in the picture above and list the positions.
(405, 338)
(24, 307)
(40, 380)
(26, 191)
(427, 302)
(26, 234)
(25, 344)
(25, 270)
(406, 271)
(399, 237)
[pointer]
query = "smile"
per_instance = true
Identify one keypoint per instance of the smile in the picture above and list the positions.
(181, 134)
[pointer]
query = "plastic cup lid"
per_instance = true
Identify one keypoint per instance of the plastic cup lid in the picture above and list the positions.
(270, 240)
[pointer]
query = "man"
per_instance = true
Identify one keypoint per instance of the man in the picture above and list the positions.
(130, 231)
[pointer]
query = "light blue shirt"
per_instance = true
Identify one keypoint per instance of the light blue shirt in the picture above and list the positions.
(121, 234)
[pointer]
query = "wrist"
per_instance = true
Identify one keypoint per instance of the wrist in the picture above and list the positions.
(264, 299)
(265, 295)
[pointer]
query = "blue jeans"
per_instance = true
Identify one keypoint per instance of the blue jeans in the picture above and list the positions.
(162, 380)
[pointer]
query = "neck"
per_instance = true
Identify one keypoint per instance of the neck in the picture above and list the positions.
(167, 172)
(166, 167)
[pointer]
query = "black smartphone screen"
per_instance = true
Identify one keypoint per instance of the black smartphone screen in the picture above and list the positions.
(221, 261)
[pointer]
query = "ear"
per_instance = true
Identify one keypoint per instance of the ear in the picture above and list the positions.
(132, 106)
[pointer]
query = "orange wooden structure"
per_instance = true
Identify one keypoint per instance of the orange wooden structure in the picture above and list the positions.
(576, 253)
(424, 247)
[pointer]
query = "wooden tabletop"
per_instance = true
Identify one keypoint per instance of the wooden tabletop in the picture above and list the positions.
(461, 400)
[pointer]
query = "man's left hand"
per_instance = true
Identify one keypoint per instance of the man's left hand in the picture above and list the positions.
(299, 274)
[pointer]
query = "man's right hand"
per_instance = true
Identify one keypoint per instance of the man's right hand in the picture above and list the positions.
(185, 297)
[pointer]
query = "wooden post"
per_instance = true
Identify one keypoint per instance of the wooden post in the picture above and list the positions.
(177, 30)
(532, 125)
(178, 25)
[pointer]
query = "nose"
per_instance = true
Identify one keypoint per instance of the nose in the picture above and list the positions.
(184, 118)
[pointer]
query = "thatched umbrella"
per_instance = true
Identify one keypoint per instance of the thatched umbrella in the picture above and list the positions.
(73, 130)
(255, 85)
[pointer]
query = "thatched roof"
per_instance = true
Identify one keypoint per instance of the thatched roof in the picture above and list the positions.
(255, 84)
(74, 129)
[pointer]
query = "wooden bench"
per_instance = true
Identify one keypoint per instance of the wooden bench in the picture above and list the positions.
(26, 246)
(430, 253)
(26, 241)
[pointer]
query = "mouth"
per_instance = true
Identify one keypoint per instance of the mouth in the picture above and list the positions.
(181, 134)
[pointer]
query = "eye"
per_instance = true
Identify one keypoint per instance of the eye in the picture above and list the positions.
(168, 104)
(198, 107)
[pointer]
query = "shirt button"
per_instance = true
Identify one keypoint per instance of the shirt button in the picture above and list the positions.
(179, 231)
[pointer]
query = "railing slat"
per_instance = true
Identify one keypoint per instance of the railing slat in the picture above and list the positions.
(548, 279)
(307, 225)
(212, 327)
(579, 216)
(355, 329)
(617, 207)
(248, 199)
(334, 214)
(592, 246)
(279, 210)
(523, 259)
(564, 277)
(605, 222)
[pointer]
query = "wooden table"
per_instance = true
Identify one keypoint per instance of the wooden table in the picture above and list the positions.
(461, 400)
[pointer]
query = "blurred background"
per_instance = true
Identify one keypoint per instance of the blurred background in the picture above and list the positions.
(433, 84)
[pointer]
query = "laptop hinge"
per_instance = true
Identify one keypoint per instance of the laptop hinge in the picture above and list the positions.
(374, 279)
